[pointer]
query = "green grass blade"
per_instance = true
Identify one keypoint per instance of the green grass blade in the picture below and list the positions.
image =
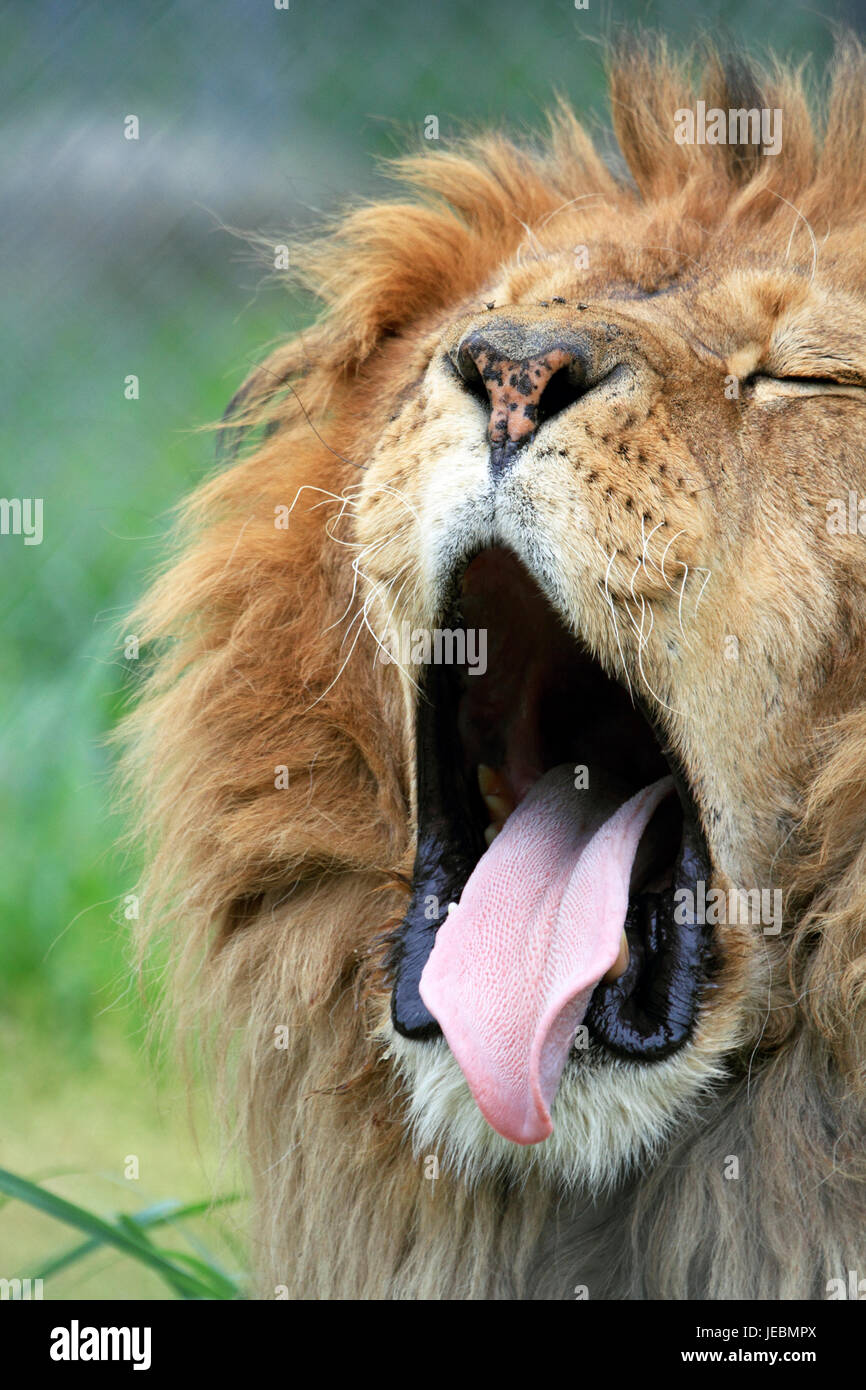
(122, 1238)
(44, 1173)
(168, 1212)
(66, 1258)
(221, 1284)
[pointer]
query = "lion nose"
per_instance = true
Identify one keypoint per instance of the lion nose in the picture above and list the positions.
(523, 382)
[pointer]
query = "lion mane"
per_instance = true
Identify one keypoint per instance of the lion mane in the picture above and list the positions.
(273, 752)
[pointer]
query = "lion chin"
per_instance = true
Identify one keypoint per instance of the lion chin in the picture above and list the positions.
(608, 1121)
(502, 751)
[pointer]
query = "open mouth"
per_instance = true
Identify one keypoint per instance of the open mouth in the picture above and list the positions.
(555, 834)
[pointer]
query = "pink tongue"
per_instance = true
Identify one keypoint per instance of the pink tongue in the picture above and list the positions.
(538, 924)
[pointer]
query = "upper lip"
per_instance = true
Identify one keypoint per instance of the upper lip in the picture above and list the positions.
(545, 700)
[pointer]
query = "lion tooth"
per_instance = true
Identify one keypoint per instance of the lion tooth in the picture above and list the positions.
(490, 781)
(490, 833)
(500, 808)
(620, 965)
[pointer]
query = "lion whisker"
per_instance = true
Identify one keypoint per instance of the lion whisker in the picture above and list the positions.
(709, 574)
(284, 381)
(646, 540)
(410, 678)
(391, 492)
(355, 572)
(664, 557)
(539, 249)
(375, 590)
(331, 685)
(631, 581)
(613, 616)
(680, 604)
(651, 246)
(642, 642)
(808, 226)
(326, 496)
(568, 204)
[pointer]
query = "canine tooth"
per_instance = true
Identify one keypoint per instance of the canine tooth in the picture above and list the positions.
(620, 965)
(490, 782)
(491, 832)
(500, 808)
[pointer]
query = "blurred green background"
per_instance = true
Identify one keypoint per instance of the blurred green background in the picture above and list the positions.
(117, 261)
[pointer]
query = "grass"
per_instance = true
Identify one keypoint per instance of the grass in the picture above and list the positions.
(188, 1276)
(80, 1129)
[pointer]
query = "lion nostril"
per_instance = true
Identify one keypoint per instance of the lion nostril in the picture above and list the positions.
(561, 391)
(466, 368)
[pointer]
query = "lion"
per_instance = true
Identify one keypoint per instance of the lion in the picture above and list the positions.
(501, 749)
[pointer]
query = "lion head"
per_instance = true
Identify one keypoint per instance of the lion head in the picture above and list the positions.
(506, 756)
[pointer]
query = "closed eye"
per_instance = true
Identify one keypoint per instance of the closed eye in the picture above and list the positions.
(764, 386)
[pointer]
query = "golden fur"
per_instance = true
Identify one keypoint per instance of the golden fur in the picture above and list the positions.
(276, 900)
